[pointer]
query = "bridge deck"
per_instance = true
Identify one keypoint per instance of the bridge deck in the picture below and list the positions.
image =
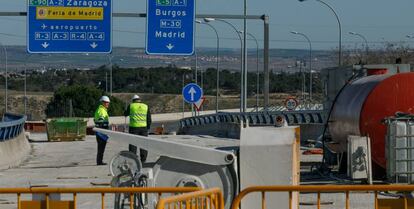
(72, 164)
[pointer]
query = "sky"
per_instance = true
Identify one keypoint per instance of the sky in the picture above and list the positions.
(378, 20)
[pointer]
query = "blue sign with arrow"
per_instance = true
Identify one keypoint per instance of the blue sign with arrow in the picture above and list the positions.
(69, 26)
(170, 27)
(192, 93)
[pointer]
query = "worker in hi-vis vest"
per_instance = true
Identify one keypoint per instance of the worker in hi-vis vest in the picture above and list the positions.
(101, 120)
(139, 122)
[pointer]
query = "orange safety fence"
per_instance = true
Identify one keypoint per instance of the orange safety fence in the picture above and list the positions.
(403, 203)
(101, 191)
(203, 199)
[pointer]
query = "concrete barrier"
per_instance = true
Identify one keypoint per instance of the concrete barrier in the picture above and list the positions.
(14, 146)
(14, 151)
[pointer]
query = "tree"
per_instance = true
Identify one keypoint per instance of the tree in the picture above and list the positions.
(80, 101)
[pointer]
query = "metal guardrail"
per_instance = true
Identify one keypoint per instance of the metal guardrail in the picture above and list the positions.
(11, 126)
(347, 189)
(209, 199)
(257, 118)
(101, 191)
(301, 107)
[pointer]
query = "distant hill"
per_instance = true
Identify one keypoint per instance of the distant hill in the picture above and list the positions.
(18, 59)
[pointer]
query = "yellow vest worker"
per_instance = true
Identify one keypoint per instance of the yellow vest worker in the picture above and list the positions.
(101, 119)
(138, 115)
(139, 122)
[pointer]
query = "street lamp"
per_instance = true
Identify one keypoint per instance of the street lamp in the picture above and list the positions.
(217, 61)
(5, 55)
(257, 69)
(365, 40)
(340, 28)
(242, 106)
(310, 61)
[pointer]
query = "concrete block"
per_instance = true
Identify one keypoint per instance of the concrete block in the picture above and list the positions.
(269, 156)
(14, 151)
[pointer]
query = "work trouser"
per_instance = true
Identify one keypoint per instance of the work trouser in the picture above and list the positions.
(101, 150)
(142, 131)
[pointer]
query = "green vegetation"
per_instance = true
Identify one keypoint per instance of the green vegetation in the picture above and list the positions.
(159, 80)
(80, 101)
(76, 92)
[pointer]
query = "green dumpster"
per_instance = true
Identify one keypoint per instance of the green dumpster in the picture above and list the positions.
(66, 129)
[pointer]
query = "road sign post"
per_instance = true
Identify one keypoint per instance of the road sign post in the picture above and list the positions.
(170, 27)
(66, 26)
(192, 93)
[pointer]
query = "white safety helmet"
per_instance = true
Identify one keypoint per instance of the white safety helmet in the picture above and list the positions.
(135, 97)
(104, 99)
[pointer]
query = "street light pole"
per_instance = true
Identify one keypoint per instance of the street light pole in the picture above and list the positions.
(5, 98)
(310, 61)
(194, 111)
(257, 69)
(365, 40)
(245, 57)
(183, 84)
(241, 58)
(25, 85)
(106, 81)
(340, 29)
(217, 61)
(196, 66)
(110, 74)
(303, 79)
(25, 91)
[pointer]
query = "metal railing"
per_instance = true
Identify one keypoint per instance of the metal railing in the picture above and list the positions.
(301, 107)
(11, 126)
(101, 191)
(257, 118)
(194, 198)
(204, 199)
(318, 189)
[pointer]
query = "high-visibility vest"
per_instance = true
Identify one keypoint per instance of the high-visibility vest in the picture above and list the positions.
(101, 115)
(138, 115)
